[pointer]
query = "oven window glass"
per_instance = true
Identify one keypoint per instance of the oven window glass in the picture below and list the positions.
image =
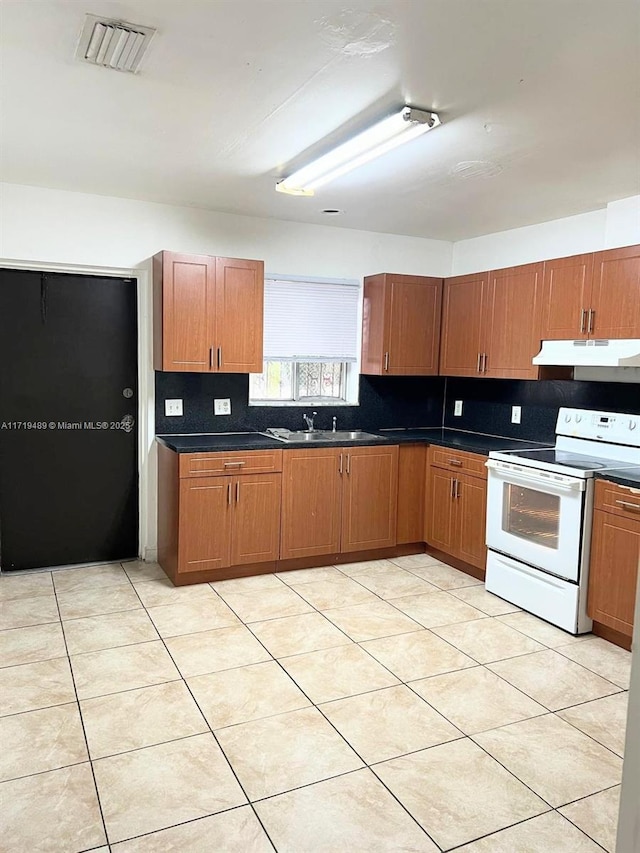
(531, 515)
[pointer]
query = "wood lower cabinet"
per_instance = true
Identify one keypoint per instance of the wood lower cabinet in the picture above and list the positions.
(615, 555)
(369, 498)
(311, 502)
(338, 500)
(208, 314)
(456, 508)
(412, 471)
(592, 296)
(209, 523)
(401, 325)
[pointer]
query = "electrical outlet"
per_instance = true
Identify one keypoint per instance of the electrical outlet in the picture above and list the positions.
(457, 408)
(222, 407)
(173, 408)
(515, 414)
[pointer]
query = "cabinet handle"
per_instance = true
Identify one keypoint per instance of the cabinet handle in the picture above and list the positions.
(237, 490)
(628, 505)
(233, 464)
(219, 356)
(453, 488)
(348, 463)
(583, 317)
(340, 465)
(479, 362)
(210, 358)
(457, 494)
(386, 361)
(484, 362)
(455, 462)
(229, 494)
(592, 323)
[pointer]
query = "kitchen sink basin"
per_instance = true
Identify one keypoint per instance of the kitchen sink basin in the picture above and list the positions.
(320, 435)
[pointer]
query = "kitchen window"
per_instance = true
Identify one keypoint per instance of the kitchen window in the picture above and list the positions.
(311, 343)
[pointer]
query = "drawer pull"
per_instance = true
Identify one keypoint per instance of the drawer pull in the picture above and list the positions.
(456, 462)
(233, 464)
(628, 505)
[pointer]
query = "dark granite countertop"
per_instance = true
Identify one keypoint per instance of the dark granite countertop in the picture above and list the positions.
(622, 476)
(473, 442)
(469, 441)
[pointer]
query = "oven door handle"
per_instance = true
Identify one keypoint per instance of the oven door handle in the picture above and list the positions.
(515, 476)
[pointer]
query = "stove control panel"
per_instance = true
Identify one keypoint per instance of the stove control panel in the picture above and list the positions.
(612, 427)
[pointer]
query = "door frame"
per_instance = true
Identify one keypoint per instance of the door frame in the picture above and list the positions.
(147, 546)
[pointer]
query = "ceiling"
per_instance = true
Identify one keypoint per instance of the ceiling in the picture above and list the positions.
(540, 103)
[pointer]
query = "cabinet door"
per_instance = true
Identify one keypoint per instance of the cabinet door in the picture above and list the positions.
(311, 502)
(461, 346)
(373, 326)
(412, 475)
(239, 315)
(255, 526)
(204, 524)
(566, 298)
(440, 510)
(370, 495)
(615, 300)
(511, 322)
(413, 331)
(471, 520)
(613, 572)
(184, 308)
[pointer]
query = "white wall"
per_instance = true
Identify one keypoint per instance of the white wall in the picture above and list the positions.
(616, 225)
(63, 227)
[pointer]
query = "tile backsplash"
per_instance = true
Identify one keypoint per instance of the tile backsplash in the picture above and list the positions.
(385, 401)
(395, 401)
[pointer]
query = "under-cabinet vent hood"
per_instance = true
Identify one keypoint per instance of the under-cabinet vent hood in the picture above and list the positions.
(595, 353)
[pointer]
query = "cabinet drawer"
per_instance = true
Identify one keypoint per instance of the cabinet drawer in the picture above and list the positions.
(458, 460)
(620, 500)
(237, 462)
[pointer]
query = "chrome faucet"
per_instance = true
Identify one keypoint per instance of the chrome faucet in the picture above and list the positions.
(309, 422)
(334, 422)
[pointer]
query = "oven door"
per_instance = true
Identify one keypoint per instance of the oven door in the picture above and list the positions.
(536, 517)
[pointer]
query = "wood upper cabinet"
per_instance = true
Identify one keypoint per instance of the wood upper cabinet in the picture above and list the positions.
(370, 494)
(311, 502)
(456, 508)
(592, 296)
(615, 555)
(615, 298)
(207, 314)
(462, 328)
(566, 298)
(511, 322)
(401, 325)
(490, 323)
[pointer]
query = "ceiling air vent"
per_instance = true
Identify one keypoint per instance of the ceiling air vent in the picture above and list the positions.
(113, 44)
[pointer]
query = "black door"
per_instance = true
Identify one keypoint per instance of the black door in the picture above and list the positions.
(68, 419)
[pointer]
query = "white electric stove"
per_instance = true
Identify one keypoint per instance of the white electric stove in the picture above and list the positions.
(539, 512)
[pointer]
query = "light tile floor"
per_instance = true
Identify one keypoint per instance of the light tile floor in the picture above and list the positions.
(379, 707)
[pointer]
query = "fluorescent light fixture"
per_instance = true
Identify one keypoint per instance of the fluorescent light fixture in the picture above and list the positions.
(394, 130)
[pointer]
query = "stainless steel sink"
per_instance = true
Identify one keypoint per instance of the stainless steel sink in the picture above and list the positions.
(352, 435)
(302, 435)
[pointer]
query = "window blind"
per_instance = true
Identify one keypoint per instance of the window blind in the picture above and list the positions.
(307, 320)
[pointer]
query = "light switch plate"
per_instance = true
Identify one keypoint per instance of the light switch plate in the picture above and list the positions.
(457, 408)
(173, 408)
(222, 407)
(515, 414)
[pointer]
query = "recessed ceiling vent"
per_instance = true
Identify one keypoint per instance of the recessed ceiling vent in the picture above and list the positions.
(113, 44)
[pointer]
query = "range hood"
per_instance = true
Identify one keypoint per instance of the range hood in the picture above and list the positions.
(595, 353)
